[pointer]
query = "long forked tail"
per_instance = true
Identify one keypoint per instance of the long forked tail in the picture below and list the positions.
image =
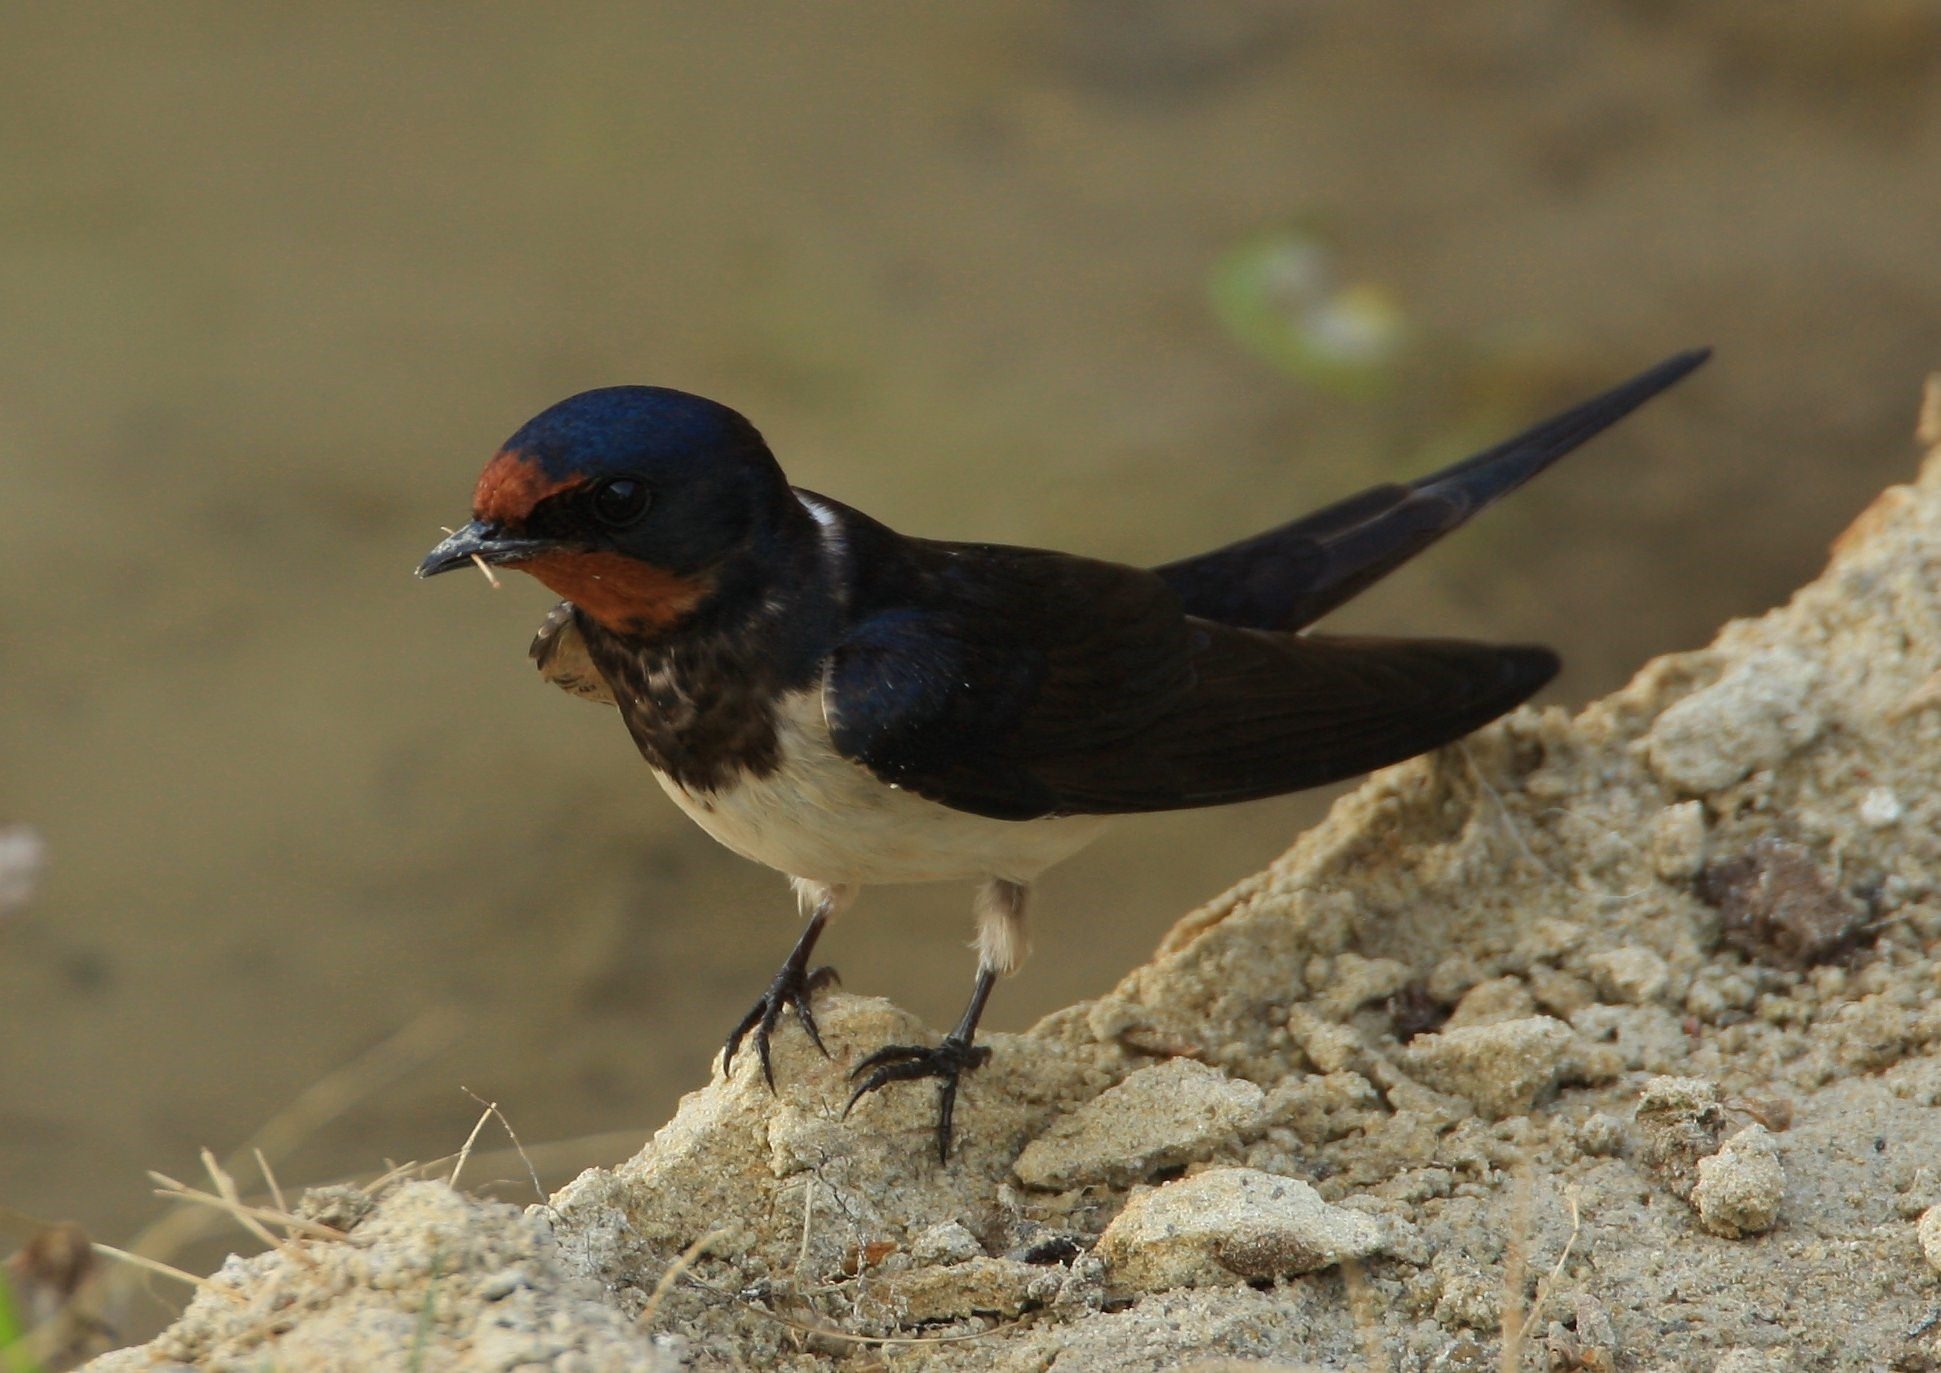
(1289, 577)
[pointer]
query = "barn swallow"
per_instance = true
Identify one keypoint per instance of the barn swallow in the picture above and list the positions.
(851, 705)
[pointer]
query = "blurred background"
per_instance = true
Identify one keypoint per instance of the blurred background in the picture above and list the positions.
(1128, 278)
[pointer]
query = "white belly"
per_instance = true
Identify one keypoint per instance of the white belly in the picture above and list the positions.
(821, 817)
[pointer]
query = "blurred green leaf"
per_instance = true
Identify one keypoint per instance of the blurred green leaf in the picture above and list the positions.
(1282, 298)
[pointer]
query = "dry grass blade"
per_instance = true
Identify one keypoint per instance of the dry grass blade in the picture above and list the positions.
(808, 1227)
(465, 1150)
(492, 1109)
(1361, 1301)
(560, 1156)
(673, 1274)
(1516, 1264)
(269, 1181)
(226, 1189)
(178, 1191)
(167, 1270)
(480, 563)
(324, 1100)
(1513, 1340)
(397, 1172)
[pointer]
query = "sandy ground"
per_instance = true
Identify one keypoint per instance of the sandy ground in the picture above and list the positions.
(1626, 1016)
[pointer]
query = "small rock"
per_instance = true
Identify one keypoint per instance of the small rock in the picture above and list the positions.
(1549, 939)
(1501, 1068)
(1680, 1121)
(1171, 1113)
(1559, 993)
(1232, 1224)
(1929, 1232)
(1143, 1029)
(339, 1205)
(1329, 1046)
(1601, 1135)
(1491, 1002)
(1778, 906)
(1678, 841)
(1740, 1187)
(502, 1284)
(1083, 1289)
(1880, 807)
(1589, 1345)
(949, 1242)
(1355, 981)
(1715, 992)
(975, 1287)
(1872, 1033)
(1470, 1298)
(1319, 1109)
(1631, 974)
(1753, 717)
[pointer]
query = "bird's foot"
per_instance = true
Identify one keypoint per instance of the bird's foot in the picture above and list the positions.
(791, 989)
(948, 1061)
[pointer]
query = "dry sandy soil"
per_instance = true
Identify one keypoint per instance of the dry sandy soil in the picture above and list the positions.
(1607, 1036)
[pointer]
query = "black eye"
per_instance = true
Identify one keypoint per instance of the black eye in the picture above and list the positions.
(619, 502)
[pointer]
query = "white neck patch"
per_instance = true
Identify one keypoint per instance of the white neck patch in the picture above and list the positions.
(831, 525)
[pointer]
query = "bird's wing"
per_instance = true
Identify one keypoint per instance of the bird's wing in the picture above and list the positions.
(1080, 688)
(1289, 577)
(559, 651)
(991, 659)
(1274, 713)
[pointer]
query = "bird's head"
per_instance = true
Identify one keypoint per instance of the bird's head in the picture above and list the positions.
(628, 501)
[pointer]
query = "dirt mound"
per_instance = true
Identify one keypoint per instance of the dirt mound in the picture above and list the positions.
(1634, 1005)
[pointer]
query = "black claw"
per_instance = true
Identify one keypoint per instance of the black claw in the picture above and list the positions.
(791, 990)
(948, 1061)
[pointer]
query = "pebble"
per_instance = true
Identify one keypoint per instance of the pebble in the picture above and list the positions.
(1330, 1047)
(501, 1284)
(1601, 1135)
(948, 1242)
(1929, 1232)
(1756, 715)
(1231, 1225)
(1680, 1121)
(1740, 1187)
(1880, 807)
(975, 1287)
(1355, 981)
(1501, 1068)
(1631, 974)
(1171, 1113)
(1678, 841)
(1491, 1003)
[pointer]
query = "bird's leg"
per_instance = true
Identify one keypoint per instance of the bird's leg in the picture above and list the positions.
(949, 1061)
(793, 985)
(1000, 944)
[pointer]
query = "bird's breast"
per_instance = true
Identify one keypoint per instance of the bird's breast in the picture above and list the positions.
(818, 815)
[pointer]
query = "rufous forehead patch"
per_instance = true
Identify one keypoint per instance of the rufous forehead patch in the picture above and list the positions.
(510, 486)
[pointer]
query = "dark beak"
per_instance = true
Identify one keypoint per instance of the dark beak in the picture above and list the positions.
(477, 540)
